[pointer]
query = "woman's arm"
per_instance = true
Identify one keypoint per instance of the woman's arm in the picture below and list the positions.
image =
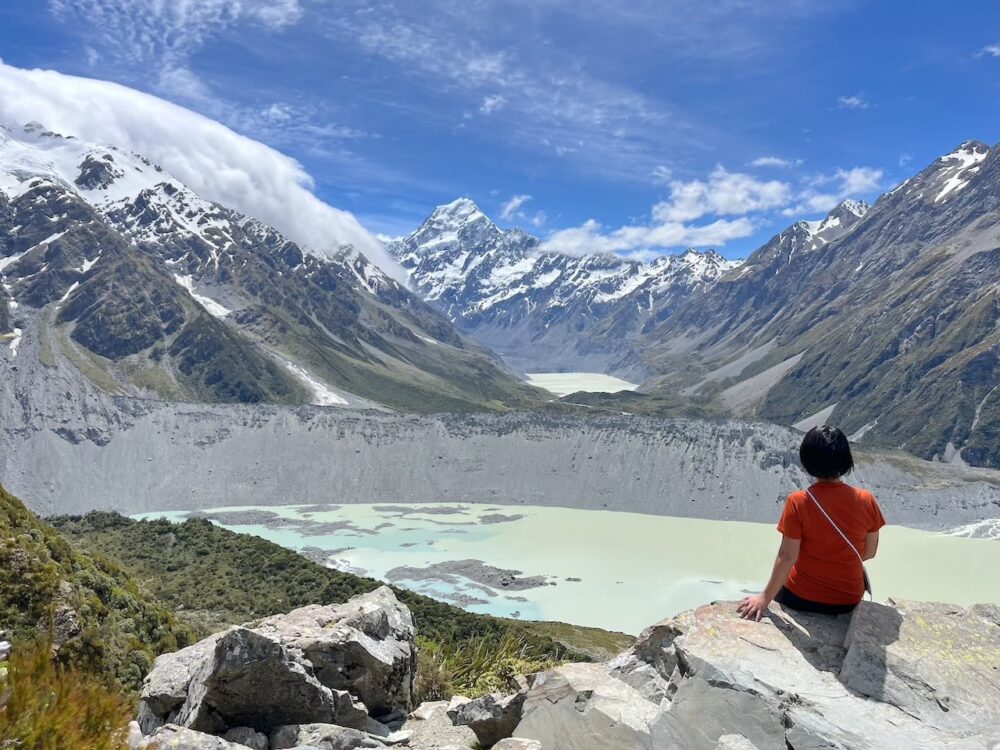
(871, 546)
(752, 607)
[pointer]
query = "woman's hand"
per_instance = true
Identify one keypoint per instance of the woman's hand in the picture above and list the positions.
(753, 607)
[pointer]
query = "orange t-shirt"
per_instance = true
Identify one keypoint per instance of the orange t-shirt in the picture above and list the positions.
(827, 570)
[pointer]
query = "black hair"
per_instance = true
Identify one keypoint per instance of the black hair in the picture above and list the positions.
(825, 453)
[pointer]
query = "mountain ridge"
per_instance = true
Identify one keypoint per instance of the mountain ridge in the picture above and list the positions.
(537, 308)
(151, 289)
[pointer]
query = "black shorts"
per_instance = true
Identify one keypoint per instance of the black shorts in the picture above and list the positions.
(789, 599)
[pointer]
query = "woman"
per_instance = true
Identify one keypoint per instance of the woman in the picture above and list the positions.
(816, 570)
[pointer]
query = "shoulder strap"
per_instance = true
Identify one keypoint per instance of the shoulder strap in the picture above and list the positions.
(835, 526)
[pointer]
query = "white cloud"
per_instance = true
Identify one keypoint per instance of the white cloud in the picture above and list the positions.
(992, 50)
(775, 161)
(211, 159)
(539, 220)
(723, 194)
(590, 237)
(857, 101)
(905, 158)
(825, 192)
(492, 103)
(512, 209)
(662, 174)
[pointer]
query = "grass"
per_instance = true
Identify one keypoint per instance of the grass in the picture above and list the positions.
(47, 705)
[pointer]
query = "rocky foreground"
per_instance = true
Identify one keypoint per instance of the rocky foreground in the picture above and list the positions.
(339, 677)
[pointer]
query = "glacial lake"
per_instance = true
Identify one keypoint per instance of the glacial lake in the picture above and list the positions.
(565, 383)
(614, 570)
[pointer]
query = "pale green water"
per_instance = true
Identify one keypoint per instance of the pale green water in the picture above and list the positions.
(635, 569)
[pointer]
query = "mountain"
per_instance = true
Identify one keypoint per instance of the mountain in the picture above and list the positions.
(885, 321)
(111, 264)
(543, 310)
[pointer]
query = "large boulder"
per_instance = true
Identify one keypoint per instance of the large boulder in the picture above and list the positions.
(583, 707)
(777, 683)
(313, 665)
(938, 662)
(904, 675)
(365, 647)
(492, 717)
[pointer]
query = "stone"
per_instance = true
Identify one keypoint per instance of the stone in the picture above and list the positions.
(777, 683)
(238, 679)
(365, 646)
(583, 707)
(173, 737)
(324, 737)
(938, 662)
(492, 717)
(431, 729)
(247, 736)
(734, 742)
(518, 743)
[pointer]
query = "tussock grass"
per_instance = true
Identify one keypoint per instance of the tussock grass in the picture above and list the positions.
(47, 705)
(475, 667)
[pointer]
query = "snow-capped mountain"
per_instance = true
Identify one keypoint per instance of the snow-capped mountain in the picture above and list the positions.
(885, 321)
(185, 298)
(543, 310)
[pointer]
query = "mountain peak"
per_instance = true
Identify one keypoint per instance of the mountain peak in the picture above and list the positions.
(461, 210)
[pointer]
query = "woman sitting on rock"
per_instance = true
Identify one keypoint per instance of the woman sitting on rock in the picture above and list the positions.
(827, 531)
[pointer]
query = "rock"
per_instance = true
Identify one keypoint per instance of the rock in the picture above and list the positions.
(518, 743)
(492, 717)
(431, 729)
(776, 683)
(583, 707)
(324, 737)
(173, 737)
(165, 687)
(651, 661)
(240, 679)
(5, 649)
(734, 742)
(134, 738)
(365, 646)
(247, 736)
(938, 662)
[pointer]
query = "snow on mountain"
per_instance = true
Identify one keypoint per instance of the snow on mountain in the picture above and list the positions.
(498, 285)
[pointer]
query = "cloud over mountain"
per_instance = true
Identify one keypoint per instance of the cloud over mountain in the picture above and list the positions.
(212, 159)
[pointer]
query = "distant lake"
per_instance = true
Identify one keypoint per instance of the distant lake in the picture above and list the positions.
(565, 383)
(632, 569)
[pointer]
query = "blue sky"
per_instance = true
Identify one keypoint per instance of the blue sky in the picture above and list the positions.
(636, 129)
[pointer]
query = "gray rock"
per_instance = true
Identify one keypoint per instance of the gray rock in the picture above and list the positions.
(166, 686)
(582, 707)
(365, 646)
(252, 680)
(173, 737)
(247, 736)
(777, 684)
(324, 737)
(937, 662)
(734, 742)
(492, 717)
(431, 729)
(518, 743)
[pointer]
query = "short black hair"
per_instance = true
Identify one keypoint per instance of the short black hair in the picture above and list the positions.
(825, 453)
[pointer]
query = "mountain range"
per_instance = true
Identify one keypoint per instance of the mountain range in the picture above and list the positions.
(544, 310)
(884, 319)
(112, 264)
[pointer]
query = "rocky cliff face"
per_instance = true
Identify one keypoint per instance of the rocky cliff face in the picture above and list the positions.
(906, 674)
(889, 326)
(65, 446)
(111, 264)
(542, 310)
